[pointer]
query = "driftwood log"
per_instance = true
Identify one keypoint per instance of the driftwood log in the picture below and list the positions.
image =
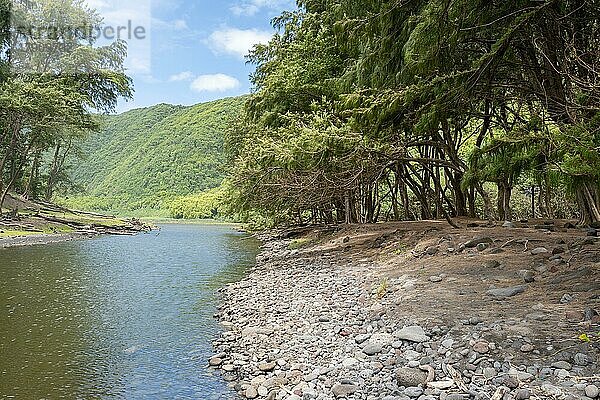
(133, 227)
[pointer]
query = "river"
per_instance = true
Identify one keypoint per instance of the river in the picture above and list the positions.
(117, 317)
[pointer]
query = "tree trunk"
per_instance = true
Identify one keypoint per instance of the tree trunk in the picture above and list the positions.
(394, 189)
(348, 206)
(547, 197)
(487, 202)
(440, 206)
(52, 174)
(500, 202)
(3, 161)
(472, 205)
(459, 196)
(405, 201)
(533, 202)
(504, 195)
(507, 205)
(421, 190)
(32, 183)
(16, 166)
(588, 200)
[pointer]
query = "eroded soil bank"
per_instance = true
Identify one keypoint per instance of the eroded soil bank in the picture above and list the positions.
(417, 311)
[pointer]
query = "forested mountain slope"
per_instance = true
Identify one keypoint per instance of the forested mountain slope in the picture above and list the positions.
(145, 158)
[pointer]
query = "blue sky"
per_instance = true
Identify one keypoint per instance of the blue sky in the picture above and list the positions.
(194, 50)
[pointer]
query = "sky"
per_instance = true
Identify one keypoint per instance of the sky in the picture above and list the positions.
(188, 52)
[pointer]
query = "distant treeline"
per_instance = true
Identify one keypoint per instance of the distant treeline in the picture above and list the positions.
(369, 110)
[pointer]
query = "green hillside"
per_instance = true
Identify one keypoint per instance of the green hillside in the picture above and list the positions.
(145, 159)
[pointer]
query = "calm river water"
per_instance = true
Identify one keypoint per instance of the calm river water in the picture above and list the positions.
(117, 317)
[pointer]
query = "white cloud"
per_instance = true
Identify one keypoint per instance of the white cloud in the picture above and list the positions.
(251, 7)
(170, 25)
(182, 76)
(180, 24)
(96, 4)
(237, 41)
(119, 15)
(214, 83)
(206, 83)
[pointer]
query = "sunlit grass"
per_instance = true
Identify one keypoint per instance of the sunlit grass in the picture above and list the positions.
(55, 229)
(382, 288)
(8, 233)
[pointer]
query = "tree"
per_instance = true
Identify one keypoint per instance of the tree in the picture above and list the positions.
(435, 99)
(5, 13)
(54, 79)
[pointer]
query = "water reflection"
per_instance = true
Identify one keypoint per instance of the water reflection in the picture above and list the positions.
(116, 317)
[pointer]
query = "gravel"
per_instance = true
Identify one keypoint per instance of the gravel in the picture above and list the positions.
(304, 326)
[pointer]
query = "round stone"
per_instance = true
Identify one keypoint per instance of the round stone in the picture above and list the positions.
(562, 373)
(539, 250)
(372, 348)
(413, 392)
(562, 365)
(350, 361)
(228, 368)
(592, 391)
(267, 366)
(344, 389)
(489, 373)
(527, 348)
(581, 359)
(511, 381)
(432, 250)
(481, 347)
(455, 396)
(412, 334)
(251, 392)
(410, 377)
(215, 362)
(528, 277)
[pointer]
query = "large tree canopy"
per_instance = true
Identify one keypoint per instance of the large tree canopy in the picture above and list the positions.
(51, 83)
(423, 109)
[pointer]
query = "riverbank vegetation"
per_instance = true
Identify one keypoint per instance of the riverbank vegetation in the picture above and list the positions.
(362, 111)
(366, 111)
(53, 84)
(33, 219)
(58, 143)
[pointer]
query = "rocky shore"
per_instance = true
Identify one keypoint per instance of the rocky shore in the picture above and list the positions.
(386, 313)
